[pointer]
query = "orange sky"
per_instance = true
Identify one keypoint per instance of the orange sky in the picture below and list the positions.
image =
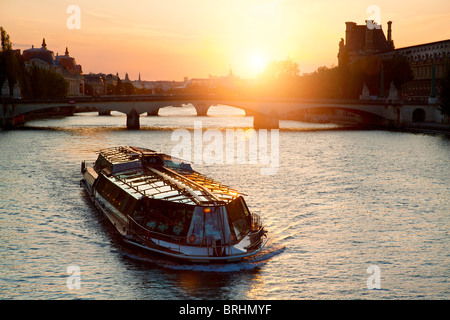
(172, 39)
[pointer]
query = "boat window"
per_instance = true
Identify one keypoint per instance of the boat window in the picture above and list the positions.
(186, 166)
(153, 161)
(101, 164)
(177, 165)
(128, 205)
(213, 225)
(119, 198)
(209, 226)
(239, 217)
(216, 225)
(195, 235)
(164, 217)
(100, 182)
(125, 166)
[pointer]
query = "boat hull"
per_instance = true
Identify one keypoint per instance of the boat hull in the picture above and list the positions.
(197, 259)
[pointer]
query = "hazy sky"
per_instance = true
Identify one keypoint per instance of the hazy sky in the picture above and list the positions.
(171, 39)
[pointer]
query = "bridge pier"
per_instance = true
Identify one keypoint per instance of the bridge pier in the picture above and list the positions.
(153, 112)
(104, 112)
(263, 121)
(202, 109)
(6, 123)
(7, 119)
(133, 120)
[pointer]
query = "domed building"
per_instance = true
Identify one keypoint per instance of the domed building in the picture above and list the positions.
(65, 65)
(40, 57)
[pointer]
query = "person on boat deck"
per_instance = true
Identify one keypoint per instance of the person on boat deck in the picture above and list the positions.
(163, 227)
(178, 228)
(151, 224)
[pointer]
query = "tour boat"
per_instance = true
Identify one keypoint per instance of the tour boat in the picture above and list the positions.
(159, 203)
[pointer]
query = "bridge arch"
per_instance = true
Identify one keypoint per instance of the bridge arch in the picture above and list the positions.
(365, 115)
(324, 114)
(45, 112)
(228, 109)
(153, 112)
(418, 115)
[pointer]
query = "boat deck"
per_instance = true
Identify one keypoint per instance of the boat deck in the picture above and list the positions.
(173, 181)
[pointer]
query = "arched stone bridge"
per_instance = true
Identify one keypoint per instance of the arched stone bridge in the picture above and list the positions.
(266, 112)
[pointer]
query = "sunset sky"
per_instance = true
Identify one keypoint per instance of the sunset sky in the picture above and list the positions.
(172, 39)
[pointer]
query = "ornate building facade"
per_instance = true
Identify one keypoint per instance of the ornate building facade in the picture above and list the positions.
(364, 40)
(427, 61)
(65, 65)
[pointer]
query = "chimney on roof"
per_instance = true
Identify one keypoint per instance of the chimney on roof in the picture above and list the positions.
(67, 52)
(44, 45)
(389, 36)
(389, 32)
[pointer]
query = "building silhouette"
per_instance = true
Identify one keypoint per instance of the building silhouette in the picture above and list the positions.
(364, 40)
(427, 61)
(65, 65)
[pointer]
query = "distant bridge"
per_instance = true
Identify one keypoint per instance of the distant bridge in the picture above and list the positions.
(266, 112)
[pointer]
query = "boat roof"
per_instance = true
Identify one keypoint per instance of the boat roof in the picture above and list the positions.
(173, 179)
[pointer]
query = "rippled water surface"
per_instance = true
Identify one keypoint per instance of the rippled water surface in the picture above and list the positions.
(340, 202)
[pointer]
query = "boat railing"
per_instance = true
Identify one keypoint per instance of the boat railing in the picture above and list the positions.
(156, 237)
(161, 239)
(255, 222)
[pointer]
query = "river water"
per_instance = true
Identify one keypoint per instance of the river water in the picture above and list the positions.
(351, 214)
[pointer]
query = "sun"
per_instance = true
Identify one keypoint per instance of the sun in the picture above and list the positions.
(258, 62)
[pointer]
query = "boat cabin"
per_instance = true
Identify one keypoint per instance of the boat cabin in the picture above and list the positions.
(162, 197)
